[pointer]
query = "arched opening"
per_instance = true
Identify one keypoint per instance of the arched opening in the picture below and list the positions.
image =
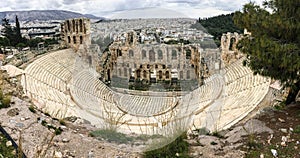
(152, 56)
(68, 25)
(188, 74)
(143, 54)
(167, 74)
(188, 54)
(73, 24)
(138, 74)
(160, 74)
(69, 39)
(160, 54)
(130, 53)
(174, 54)
(80, 25)
(232, 42)
(74, 39)
(81, 39)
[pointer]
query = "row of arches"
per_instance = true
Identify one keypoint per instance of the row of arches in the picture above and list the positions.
(75, 26)
(145, 74)
(73, 40)
(152, 54)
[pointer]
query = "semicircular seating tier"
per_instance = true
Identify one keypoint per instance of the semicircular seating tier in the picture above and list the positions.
(61, 84)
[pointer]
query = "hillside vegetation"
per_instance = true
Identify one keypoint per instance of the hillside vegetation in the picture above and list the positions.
(217, 25)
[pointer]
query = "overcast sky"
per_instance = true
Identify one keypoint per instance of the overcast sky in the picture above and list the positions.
(113, 8)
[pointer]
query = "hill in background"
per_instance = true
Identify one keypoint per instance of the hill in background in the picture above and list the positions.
(44, 15)
(217, 25)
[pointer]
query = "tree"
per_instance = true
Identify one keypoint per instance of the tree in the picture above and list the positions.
(272, 49)
(7, 31)
(17, 30)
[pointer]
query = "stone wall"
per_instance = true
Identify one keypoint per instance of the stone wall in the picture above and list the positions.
(228, 47)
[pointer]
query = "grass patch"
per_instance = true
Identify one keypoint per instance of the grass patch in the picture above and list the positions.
(32, 109)
(62, 122)
(144, 137)
(178, 148)
(5, 151)
(297, 129)
(111, 136)
(217, 134)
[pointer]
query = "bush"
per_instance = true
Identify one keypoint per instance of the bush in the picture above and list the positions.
(31, 108)
(111, 136)
(5, 102)
(177, 146)
(62, 122)
(297, 129)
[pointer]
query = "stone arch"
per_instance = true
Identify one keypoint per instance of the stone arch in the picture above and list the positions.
(74, 39)
(81, 39)
(144, 54)
(232, 43)
(167, 74)
(131, 53)
(68, 25)
(80, 25)
(160, 74)
(151, 55)
(174, 54)
(69, 39)
(138, 73)
(159, 54)
(73, 25)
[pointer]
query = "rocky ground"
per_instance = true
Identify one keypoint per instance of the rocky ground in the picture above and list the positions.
(274, 132)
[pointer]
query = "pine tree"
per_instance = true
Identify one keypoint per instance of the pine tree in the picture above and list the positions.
(18, 36)
(272, 49)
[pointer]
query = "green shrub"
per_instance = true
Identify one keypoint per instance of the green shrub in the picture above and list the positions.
(31, 108)
(62, 122)
(5, 151)
(5, 101)
(297, 129)
(169, 151)
(58, 131)
(111, 136)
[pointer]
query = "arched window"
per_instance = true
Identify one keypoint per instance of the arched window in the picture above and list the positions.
(167, 74)
(130, 53)
(74, 39)
(143, 54)
(81, 39)
(160, 54)
(151, 55)
(138, 73)
(73, 24)
(174, 54)
(69, 39)
(80, 25)
(125, 72)
(160, 74)
(188, 74)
